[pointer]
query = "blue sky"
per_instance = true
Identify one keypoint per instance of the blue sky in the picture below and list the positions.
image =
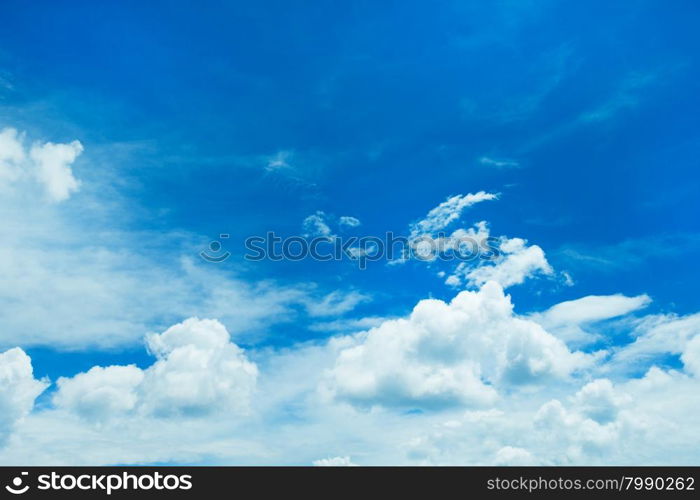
(579, 117)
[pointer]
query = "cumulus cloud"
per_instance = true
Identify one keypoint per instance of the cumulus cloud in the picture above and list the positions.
(649, 420)
(444, 354)
(53, 168)
(198, 371)
(101, 392)
(18, 389)
(599, 401)
(516, 263)
(482, 258)
(553, 420)
(49, 163)
(691, 356)
(444, 358)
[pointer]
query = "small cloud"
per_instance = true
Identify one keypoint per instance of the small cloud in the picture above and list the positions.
(567, 279)
(316, 225)
(279, 161)
(346, 220)
(319, 224)
(336, 303)
(498, 163)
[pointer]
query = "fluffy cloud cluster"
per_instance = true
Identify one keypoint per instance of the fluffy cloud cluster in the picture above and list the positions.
(101, 392)
(517, 262)
(647, 420)
(429, 360)
(198, 371)
(641, 421)
(444, 354)
(18, 389)
(471, 366)
(48, 164)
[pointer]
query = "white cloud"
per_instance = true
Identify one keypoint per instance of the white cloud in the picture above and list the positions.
(348, 325)
(592, 308)
(198, 371)
(53, 168)
(68, 284)
(568, 319)
(655, 336)
(69, 288)
(319, 224)
(598, 401)
(346, 220)
(464, 242)
(498, 163)
(511, 456)
(691, 356)
(554, 420)
(443, 354)
(334, 462)
(70, 271)
(279, 160)
(316, 225)
(517, 263)
(100, 393)
(48, 163)
(453, 281)
(335, 303)
(12, 155)
(18, 389)
(447, 212)
(646, 421)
